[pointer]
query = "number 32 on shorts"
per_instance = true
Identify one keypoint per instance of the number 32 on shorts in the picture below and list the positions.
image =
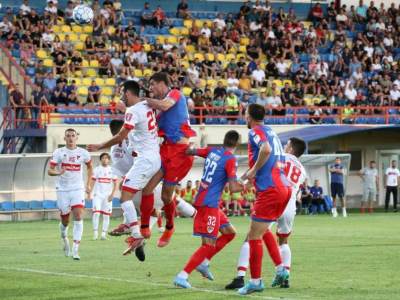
(211, 223)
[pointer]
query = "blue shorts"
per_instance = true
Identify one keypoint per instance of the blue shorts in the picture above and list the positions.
(337, 189)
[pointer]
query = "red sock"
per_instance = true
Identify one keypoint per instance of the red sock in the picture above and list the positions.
(198, 257)
(222, 241)
(169, 210)
(256, 255)
(159, 221)
(272, 246)
(146, 208)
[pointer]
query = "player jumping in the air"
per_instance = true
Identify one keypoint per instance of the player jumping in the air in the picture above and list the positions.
(104, 186)
(219, 168)
(296, 175)
(266, 162)
(66, 163)
(174, 128)
(140, 126)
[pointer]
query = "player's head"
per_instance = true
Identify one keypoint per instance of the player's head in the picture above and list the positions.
(254, 114)
(178, 187)
(295, 146)
(115, 126)
(105, 159)
(393, 164)
(338, 160)
(197, 184)
(70, 137)
(130, 92)
(372, 164)
(159, 84)
(316, 182)
(231, 139)
(189, 184)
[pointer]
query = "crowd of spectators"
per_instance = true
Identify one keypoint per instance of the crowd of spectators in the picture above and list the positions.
(344, 56)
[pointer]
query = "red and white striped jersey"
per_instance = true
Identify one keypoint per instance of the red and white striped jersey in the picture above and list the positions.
(72, 161)
(105, 180)
(296, 175)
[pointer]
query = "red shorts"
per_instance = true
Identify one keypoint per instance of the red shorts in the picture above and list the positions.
(175, 162)
(271, 203)
(208, 221)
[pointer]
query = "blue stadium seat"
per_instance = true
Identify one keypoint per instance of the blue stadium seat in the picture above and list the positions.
(116, 202)
(21, 205)
(170, 14)
(88, 204)
(35, 204)
(241, 121)
(223, 121)
(177, 23)
(7, 206)
(30, 71)
(49, 204)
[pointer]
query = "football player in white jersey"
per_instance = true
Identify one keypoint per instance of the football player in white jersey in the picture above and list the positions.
(66, 163)
(141, 129)
(103, 185)
(296, 175)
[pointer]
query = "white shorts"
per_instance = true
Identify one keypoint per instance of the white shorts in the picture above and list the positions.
(66, 200)
(158, 204)
(102, 205)
(139, 175)
(284, 225)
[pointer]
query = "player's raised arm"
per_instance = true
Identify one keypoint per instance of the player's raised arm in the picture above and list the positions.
(161, 105)
(116, 139)
(202, 152)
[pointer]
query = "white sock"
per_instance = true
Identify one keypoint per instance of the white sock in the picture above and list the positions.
(77, 231)
(153, 220)
(185, 209)
(95, 221)
(124, 221)
(63, 231)
(344, 211)
(286, 254)
(129, 211)
(135, 231)
(106, 223)
(256, 281)
(183, 274)
(243, 262)
(334, 210)
(205, 262)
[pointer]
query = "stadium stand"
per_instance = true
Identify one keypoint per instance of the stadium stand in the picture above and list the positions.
(343, 67)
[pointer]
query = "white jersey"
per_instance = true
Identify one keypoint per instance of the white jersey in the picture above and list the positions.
(121, 159)
(105, 180)
(72, 161)
(296, 175)
(143, 138)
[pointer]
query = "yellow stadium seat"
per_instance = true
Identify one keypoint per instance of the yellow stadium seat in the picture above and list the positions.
(245, 41)
(138, 73)
(190, 48)
(77, 29)
(242, 49)
(175, 31)
(211, 82)
(277, 82)
(65, 28)
(186, 91)
(199, 56)
(88, 29)
(188, 23)
(99, 81)
(83, 91)
(172, 40)
(79, 46)
(78, 81)
(230, 56)
(147, 72)
(306, 24)
(73, 37)
(86, 81)
(190, 56)
(184, 31)
(221, 57)
(240, 55)
(91, 73)
(105, 100)
(48, 63)
(210, 56)
(111, 30)
(199, 23)
(78, 73)
(41, 54)
(85, 63)
(203, 82)
(107, 91)
(82, 37)
(185, 64)
(288, 81)
(146, 47)
(56, 29)
(209, 22)
(94, 63)
(110, 81)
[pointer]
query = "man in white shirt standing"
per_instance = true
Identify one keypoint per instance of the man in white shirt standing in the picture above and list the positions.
(370, 179)
(66, 163)
(391, 182)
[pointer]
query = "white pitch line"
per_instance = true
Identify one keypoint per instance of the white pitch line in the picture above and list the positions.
(74, 275)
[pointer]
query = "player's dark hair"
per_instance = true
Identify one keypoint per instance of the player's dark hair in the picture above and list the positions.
(298, 146)
(105, 154)
(115, 126)
(256, 112)
(132, 86)
(231, 139)
(160, 77)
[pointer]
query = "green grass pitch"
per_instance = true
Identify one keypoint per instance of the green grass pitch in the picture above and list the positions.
(353, 258)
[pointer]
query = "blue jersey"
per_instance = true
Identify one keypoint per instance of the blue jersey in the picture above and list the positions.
(337, 177)
(219, 167)
(316, 192)
(174, 123)
(272, 171)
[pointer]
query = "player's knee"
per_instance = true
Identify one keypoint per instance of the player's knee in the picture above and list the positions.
(282, 240)
(65, 219)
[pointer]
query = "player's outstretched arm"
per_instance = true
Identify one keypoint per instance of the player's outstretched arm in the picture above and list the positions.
(53, 172)
(235, 186)
(263, 155)
(116, 139)
(161, 105)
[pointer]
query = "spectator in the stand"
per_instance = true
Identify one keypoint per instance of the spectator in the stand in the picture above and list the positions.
(7, 29)
(147, 17)
(116, 64)
(94, 93)
(219, 22)
(317, 198)
(298, 95)
(38, 100)
(159, 17)
(232, 106)
(370, 178)
(337, 185)
(392, 176)
(17, 102)
(258, 77)
(25, 7)
(75, 62)
(59, 95)
(72, 93)
(50, 82)
(262, 99)
(60, 65)
(220, 90)
(306, 198)
(394, 95)
(287, 95)
(317, 13)
(182, 10)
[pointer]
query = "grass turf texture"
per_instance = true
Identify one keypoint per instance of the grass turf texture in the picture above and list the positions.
(353, 258)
